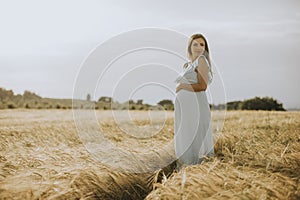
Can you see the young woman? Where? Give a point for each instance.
(192, 122)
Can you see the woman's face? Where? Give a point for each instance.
(198, 47)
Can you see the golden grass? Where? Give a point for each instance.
(41, 157)
(257, 157)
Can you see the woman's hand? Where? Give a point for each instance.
(179, 87)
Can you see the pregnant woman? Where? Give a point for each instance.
(192, 120)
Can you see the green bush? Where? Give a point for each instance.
(257, 103)
(11, 105)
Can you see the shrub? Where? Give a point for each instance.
(11, 105)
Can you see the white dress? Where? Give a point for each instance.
(192, 120)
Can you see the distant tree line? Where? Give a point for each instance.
(30, 100)
(256, 103)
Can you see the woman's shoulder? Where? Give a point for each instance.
(202, 58)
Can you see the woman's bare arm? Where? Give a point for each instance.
(202, 74)
(196, 87)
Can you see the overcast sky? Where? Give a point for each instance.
(255, 44)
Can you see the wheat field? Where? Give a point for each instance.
(42, 156)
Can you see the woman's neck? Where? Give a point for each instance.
(194, 58)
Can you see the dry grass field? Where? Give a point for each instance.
(42, 157)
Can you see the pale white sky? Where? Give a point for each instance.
(254, 44)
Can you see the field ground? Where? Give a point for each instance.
(42, 156)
